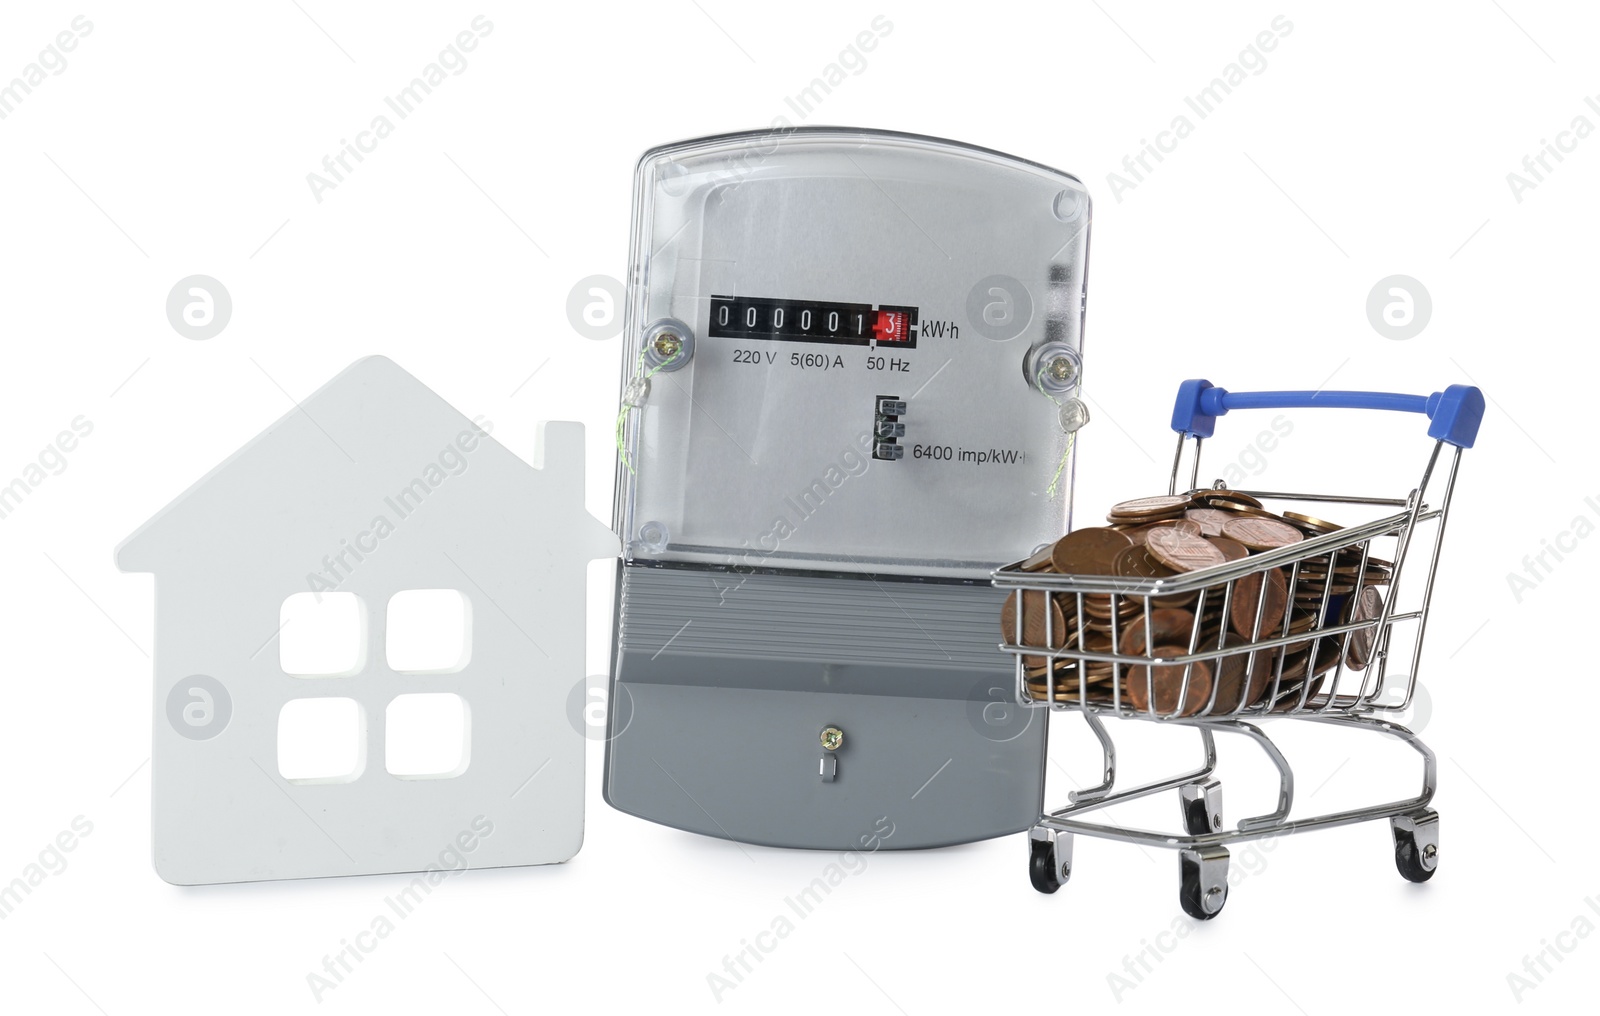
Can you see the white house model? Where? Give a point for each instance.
(371, 490)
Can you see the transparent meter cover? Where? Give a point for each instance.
(847, 352)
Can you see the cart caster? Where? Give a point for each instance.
(1416, 844)
(1049, 859)
(1204, 886)
(1202, 807)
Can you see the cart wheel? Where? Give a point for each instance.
(1202, 807)
(1204, 887)
(1416, 845)
(1049, 859)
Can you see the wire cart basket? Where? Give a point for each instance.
(1299, 631)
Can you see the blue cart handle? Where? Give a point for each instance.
(1453, 414)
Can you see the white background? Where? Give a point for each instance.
(1376, 141)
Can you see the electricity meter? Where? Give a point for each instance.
(848, 394)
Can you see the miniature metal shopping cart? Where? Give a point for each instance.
(1327, 659)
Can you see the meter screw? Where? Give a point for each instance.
(828, 766)
(668, 345)
(1074, 415)
(1054, 369)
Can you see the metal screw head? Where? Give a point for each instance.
(1061, 370)
(668, 344)
(1054, 368)
(1430, 851)
(832, 738)
(1074, 415)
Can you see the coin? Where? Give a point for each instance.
(1088, 551)
(1247, 598)
(1181, 551)
(1039, 560)
(1233, 690)
(1289, 698)
(1243, 511)
(1034, 623)
(1232, 550)
(1096, 642)
(1210, 520)
(1059, 665)
(1094, 692)
(1169, 625)
(1161, 504)
(1366, 607)
(1125, 522)
(1312, 592)
(1166, 684)
(1304, 620)
(1135, 563)
(1142, 533)
(1262, 534)
(1097, 611)
(1312, 523)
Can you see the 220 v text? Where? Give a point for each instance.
(809, 361)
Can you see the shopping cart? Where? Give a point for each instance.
(1327, 659)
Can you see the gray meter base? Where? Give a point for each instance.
(726, 683)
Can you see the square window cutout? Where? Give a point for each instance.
(321, 634)
(428, 631)
(426, 735)
(321, 740)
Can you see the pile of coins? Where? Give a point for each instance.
(1170, 535)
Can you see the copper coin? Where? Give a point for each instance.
(1232, 550)
(1366, 607)
(1262, 534)
(1247, 597)
(1312, 523)
(1297, 663)
(1170, 625)
(1099, 615)
(1136, 563)
(1131, 522)
(1181, 551)
(1325, 657)
(1034, 623)
(1039, 560)
(1168, 684)
(1234, 691)
(1096, 693)
(1138, 533)
(1182, 525)
(1067, 681)
(1210, 520)
(1088, 551)
(1058, 664)
(1302, 624)
(1237, 510)
(1319, 572)
(1096, 642)
(1289, 698)
(1161, 504)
